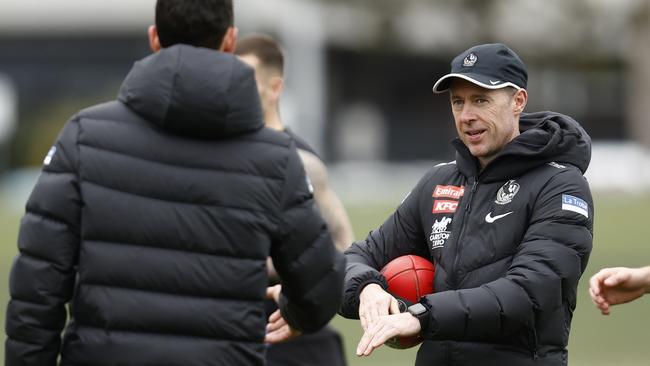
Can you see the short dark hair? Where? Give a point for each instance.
(200, 23)
(265, 48)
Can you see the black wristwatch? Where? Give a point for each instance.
(421, 312)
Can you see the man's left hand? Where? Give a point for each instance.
(277, 329)
(385, 328)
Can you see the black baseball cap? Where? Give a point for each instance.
(491, 66)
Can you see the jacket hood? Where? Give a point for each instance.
(545, 137)
(194, 92)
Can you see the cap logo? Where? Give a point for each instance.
(470, 60)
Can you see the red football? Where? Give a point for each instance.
(409, 278)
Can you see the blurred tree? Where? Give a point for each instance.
(638, 74)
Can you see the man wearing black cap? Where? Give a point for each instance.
(517, 232)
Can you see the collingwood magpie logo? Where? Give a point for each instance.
(507, 192)
(470, 60)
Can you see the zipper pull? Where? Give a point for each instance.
(469, 203)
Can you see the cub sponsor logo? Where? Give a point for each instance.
(439, 233)
(444, 206)
(575, 204)
(454, 192)
(507, 192)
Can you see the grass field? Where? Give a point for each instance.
(622, 237)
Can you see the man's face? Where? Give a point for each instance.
(486, 120)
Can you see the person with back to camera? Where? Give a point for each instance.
(509, 260)
(154, 215)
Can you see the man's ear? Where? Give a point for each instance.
(229, 40)
(154, 41)
(276, 85)
(520, 99)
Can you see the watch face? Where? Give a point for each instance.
(417, 309)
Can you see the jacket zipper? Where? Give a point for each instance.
(533, 335)
(468, 208)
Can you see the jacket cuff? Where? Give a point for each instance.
(350, 308)
(429, 326)
(432, 327)
(379, 281)
(283, 305)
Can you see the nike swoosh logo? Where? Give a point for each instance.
(490, 219)
(495, 82)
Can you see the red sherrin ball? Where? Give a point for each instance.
(409, 277)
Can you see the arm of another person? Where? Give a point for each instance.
(329, 206)
(309, 266)
(42, 276)
(328, 203)
(620, 285)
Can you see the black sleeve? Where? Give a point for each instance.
(400, 234)
(310, 268)
(42, 276)
(542, 278)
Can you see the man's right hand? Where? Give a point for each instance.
(612, 286)
(375, 302)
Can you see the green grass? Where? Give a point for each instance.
(8, 234)
(622, 237)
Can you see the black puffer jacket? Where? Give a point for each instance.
(153, 218)
(509, 243)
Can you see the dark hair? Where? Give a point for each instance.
(201, 23)
(265, 48)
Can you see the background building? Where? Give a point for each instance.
(359, 78)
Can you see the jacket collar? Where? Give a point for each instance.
(545, 137)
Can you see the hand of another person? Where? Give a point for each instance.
(375, 302)
(274, 278)
(386, 327)
(273, 293)
(277, 329)
(612, 286)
